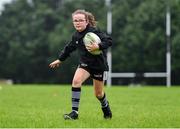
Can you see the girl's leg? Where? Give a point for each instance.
(101, 96)
(80, 76)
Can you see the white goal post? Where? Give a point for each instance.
(166, 74)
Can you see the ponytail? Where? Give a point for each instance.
(91, 19)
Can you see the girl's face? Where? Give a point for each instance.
(79, 22)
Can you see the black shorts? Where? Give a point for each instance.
(97, 75)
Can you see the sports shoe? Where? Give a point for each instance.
(71, 116)
(107, 112)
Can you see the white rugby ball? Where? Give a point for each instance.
(90, 38)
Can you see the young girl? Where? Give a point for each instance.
(94, 66)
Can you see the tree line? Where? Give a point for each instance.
(32, 32)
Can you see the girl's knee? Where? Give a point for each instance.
(76, 82)
(99, 94)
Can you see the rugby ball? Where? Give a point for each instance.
(90, 38)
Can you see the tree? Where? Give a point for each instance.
(34, 31)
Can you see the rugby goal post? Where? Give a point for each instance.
(166, 74)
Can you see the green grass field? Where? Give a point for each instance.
(42, 106)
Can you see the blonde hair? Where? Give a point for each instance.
(88, 16)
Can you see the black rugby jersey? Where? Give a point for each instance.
(95, 62)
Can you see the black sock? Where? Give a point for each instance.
(103, 100)
(76, 92)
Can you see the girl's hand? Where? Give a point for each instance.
(55, 63)
(92, 47)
